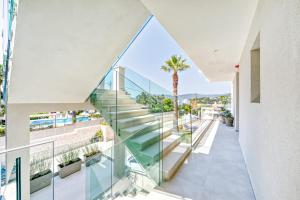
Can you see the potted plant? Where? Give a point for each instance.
(69, 163)
(228, 118)
(92, 155)
(97, 137)
(107, 132)
(40, 174)
(222, 115)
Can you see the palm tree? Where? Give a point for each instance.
(175, 64)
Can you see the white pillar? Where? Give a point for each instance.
(118, 78)
(17, 129)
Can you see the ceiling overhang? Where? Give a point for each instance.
(212, 32)
(63, 48)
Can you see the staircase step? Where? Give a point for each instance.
(152, 153)
(174, 159)
(107, 91)
(128, 113)
(134, 121)
(113, 102)
(111, 94)
(127, 107)
(140, 129)
(143, 141)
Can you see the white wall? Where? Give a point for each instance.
(270, 130)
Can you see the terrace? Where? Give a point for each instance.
(56, 52)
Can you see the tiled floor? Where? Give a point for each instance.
(214, 171)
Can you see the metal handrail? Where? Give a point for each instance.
(26, 146)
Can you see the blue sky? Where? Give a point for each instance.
(152, 48)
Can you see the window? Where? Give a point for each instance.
(255, 71)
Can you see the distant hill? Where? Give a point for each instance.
(190, 96)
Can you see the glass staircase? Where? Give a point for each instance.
(141, 122)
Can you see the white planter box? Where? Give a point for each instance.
(69, 169)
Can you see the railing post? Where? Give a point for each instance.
(18, 178)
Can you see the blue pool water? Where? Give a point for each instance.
(58, 121)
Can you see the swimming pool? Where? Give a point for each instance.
(58, 121)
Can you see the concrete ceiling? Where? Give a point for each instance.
(212, 32)
(63, 47)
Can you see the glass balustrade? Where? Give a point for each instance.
(27, 172)
(147, 136)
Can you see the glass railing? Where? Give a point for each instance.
(27, 172)
(119, 172)
(146, 84)
(136, 118)
(141, 114)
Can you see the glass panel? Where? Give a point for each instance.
(145, 149)
(99, 175)
(41, 172)
(141, 121)
(15, 163)
(8, 179)
(146, 84)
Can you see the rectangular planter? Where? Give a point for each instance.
(69, 169)
(40, 182)
(92, 159)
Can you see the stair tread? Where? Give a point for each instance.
(134, 129)
(135, 118)
(171, 159)
(150, 135)
(146, 137)
(155, 149)
(128, 111)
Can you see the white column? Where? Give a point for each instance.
(17, 129)
(118, 78)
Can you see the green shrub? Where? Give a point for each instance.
(97, 137)
(38, 117)
(2, 131)
(167, 105)
(227, 114)
(155, 103)
(39, 167)
(68, 158)
(2, 111)
(99, 134)
(91, 150)
(95, 115)
(104, 123)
